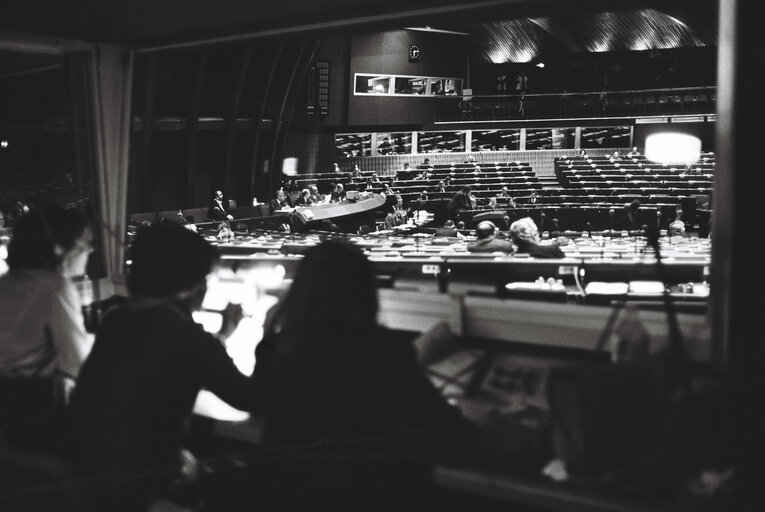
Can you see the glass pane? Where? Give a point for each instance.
(43, 143)
(353, 144)
(394, 143)
(409, 85)
(539, 139)
(563, 138)
(496, 140)
(440, 142)
(372, 84)
(453, 86)
(606, 137)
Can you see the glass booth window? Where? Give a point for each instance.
(441, 142)
(394, 143)
(563, 138)
(411, 85)
(606, 137)
(403, 85)
(496, 140)
(445, 87)
(353, 144)
(539, 139)
(372, 84)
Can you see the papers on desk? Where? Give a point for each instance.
(646, 287)
(604, 288)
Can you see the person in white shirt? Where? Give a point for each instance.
(43, 340)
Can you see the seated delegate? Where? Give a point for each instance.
(525, 235)
(487, 241)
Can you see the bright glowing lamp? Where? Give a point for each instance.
(290, 166)
(672, 148)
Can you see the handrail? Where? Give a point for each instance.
(672, 90)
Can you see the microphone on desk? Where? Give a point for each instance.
(541, 220)
(555, 223)
(658, 219)
(589, 227)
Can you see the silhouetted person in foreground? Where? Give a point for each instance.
(630, 220)
(135, 393)
(344, 392)
(43, 341)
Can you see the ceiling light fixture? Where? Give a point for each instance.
(672, 148)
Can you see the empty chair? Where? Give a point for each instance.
(638, 105)
(662, 104)
(676, 103)
(650, 104)
(625, 106)
(689, 103)
(702, 101)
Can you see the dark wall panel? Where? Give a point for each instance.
(442, 55)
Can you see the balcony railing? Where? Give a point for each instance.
(616, 104)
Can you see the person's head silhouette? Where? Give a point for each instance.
(333, 296)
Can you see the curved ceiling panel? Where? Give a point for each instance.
(522, 40)
(644, 29)
(501, 41)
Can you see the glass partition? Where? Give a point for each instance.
(563, 138)
(539, 138)
(440, 142)
(44, 143)
(394, 143)
(404, 85)
(353, 144)
(372, 84)
(496, 140)
(606, 137)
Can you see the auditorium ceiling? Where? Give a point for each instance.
(576, 25)
(525, 39)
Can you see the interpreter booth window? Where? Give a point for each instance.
(394, 143)
(496, 140)
(353, 144)
(445, 87)
(441, 142)
(411, 85)
(606, 137)
(539, 139)
(404, 85)
(372, 84)
(563, 138)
